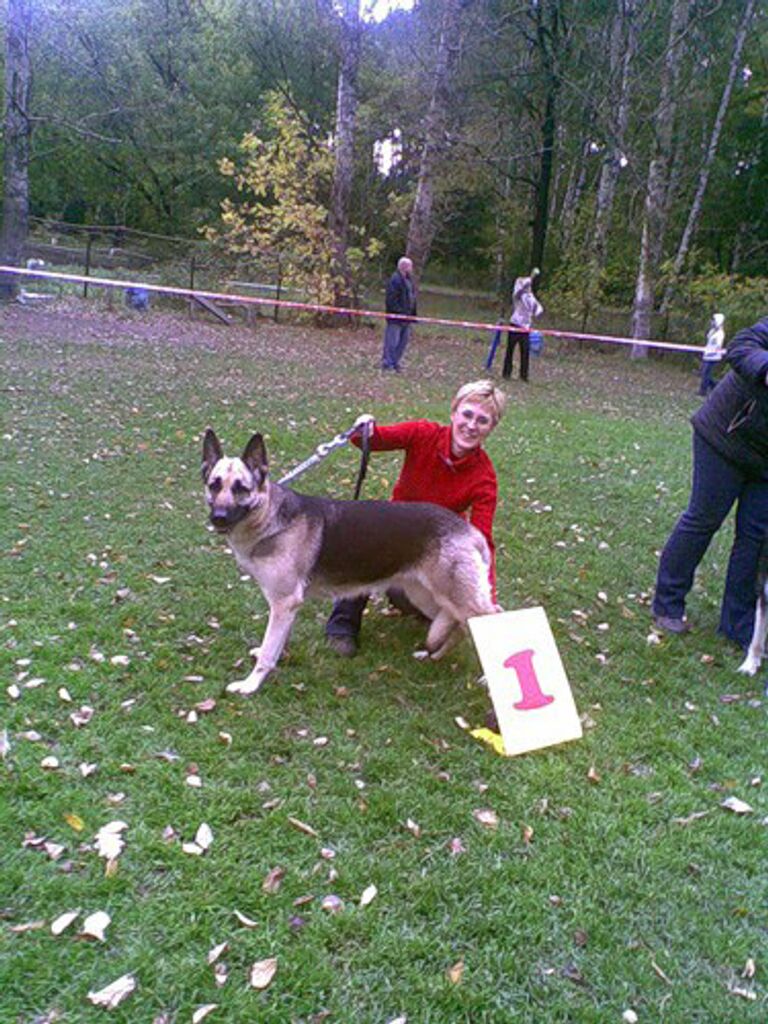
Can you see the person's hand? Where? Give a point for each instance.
(364, 420)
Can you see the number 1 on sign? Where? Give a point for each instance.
(533, 696)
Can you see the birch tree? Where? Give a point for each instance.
(344, 146)
(654, 211)
(694, 213)
(16, 133)
(421, 229)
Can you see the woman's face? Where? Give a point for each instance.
(471, 423)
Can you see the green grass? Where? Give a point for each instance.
(612, 905)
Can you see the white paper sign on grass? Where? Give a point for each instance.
(526, 679)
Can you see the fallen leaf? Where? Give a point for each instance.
(303, 827)
(332, 904)
(115, 993)
(247, 921)
(456, 973)
(732, 803)
(109, 841)
(202, 1012)
(456, 846)
(50, 764)
(593, 775)
(487, 817)
(413, 827)
(262, 973)
(95, 926)
(273, 880)
(215, 953)
(75, 822)
(369, 895)
(30, 926)
(63, 921)
(220, 974)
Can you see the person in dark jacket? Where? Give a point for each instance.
(401, 299)
(730, 466)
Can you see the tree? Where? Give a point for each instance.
(714, 139)
(344, 147)
(421, 228)
(17, 130)
(284, 178)
(655, 208)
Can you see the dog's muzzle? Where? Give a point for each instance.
(223, 519)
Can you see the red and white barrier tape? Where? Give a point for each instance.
(252, 300)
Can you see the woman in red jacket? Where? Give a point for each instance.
(445, 465)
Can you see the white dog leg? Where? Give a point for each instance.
(756, 649)
(281, 617)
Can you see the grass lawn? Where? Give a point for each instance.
(614, 882)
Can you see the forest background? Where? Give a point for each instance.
(620, 145)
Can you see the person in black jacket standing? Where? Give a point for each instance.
(730, 465)
(401, 299)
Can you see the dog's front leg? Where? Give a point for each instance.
(282, 612)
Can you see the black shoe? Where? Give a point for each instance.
(344, 646)
(671, 625)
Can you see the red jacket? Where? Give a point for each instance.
(431, 473)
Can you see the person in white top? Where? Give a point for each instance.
(714, 350)
(525, 308)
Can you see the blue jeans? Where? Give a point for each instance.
(717, 485)
(396, 336)
(708, 382)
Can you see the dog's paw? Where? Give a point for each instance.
(421, 655)
(750, 665)
(243, 686)
(255, 652)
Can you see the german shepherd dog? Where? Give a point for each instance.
(296, 546)
(756, 649)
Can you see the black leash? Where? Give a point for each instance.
(365, 452)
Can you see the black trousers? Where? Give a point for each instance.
(515, 335)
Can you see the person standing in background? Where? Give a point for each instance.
(714, 350)
(400, 299)
(525, 308)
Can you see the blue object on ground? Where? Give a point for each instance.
(137, 298)
(536, 342)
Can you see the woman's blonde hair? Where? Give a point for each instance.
(484, 391)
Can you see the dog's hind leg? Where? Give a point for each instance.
(282, 613)
(756, 648)
(443, 634)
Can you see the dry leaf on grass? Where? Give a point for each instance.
(202, 841)
(215, 953)
(202, 1012)
(262, 973)
(273, 880)
(487, 817)
(732, 803)
(246, 921)
(112, 995)
(109, 841)
(456, 973)
(63, 921)
(369, 895)
(95, 925)
(303, 827)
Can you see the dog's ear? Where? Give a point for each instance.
(212, 452)
(255, 455)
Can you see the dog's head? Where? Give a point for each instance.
(234, 487)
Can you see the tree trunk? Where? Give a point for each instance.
(698, 200)
(550, 42)
(344, 146)
(654, 215)
(16, 128)
(421, 229)
(622, 52)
